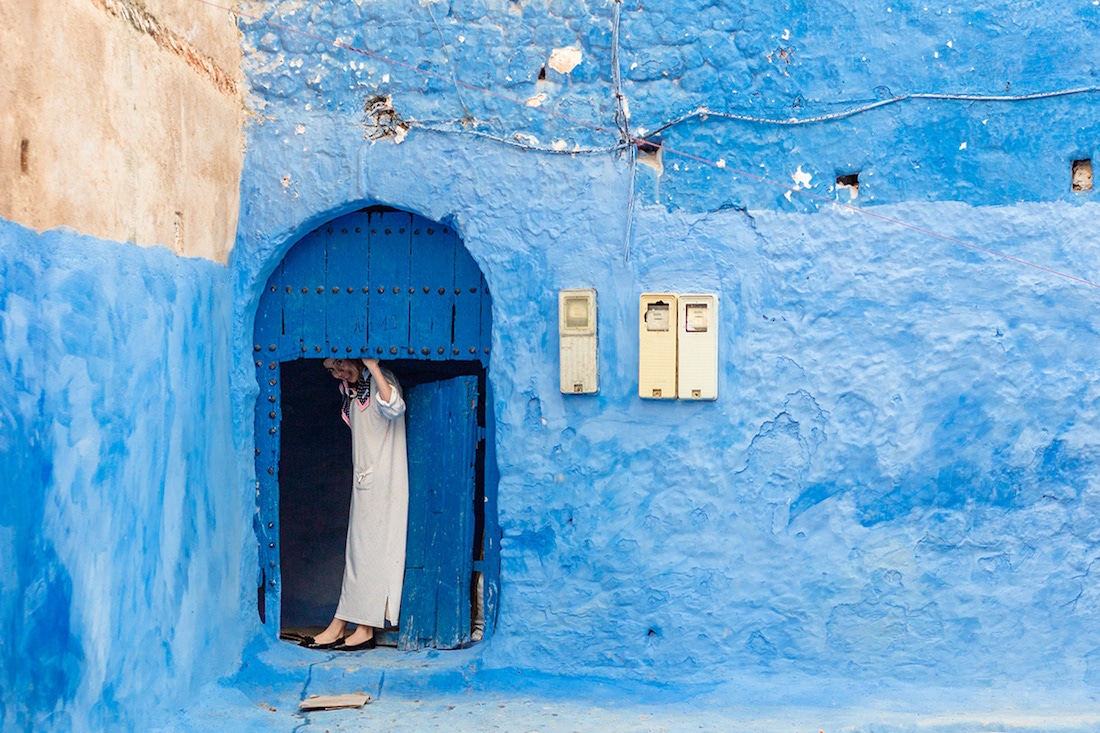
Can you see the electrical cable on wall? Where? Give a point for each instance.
(704, 111)
(631, 141)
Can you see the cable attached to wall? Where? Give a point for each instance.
(450, 62)
(622, 122)
(705, 111)
(517, 140)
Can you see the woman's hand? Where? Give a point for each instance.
(385, 392)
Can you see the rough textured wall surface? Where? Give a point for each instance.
(896, 486)
(120, 527)
(122, 120)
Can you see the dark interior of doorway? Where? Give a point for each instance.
(315, 482)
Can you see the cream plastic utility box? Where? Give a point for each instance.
(697, 326)
(577, 341)
(657, 346)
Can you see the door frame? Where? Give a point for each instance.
(273, 346)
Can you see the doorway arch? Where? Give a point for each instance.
(392, 285)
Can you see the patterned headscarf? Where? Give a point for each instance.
(358, 391)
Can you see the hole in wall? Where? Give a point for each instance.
(848, 182)
(381, 120)
(542, 74)
(177, 232)
(649, 152)
(1081, 175)
(24, 155)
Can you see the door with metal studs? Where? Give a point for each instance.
(394, 286)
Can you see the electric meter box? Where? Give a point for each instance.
(697, 367)
(657, 346)
(577, 341)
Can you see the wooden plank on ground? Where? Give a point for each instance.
(334, 702)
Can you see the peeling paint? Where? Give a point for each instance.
(145, 22)
(564, 60)
(801, 178)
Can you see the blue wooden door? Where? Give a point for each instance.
(392, 285)
(443, 434)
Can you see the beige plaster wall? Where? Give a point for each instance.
(122, 119)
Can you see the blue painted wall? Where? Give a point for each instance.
(121, 527)
(895, 489)
(896, 485)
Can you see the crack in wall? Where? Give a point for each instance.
(144, 22)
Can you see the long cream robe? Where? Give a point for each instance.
(374, 563)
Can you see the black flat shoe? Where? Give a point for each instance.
(368, 644)
(309, 643)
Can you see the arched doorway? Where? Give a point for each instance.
(395, 286)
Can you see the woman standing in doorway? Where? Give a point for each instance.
(374, 561)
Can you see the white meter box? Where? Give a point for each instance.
(657, 346)
(577, 341)
(697, 367)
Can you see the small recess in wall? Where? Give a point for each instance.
(649, 153)
(848, 182)
(177, 226)
(1082, 175)
(24, 155)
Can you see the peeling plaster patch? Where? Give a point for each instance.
(381, 120)
(721, 163)
(525, 138)
(300, 130)
(559, 145)
(962, 147)
(786, 34)
(564, 60)
(286, 181)
(536, 100)
(801, 178)
(385, 78)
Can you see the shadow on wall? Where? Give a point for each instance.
(39, 657)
